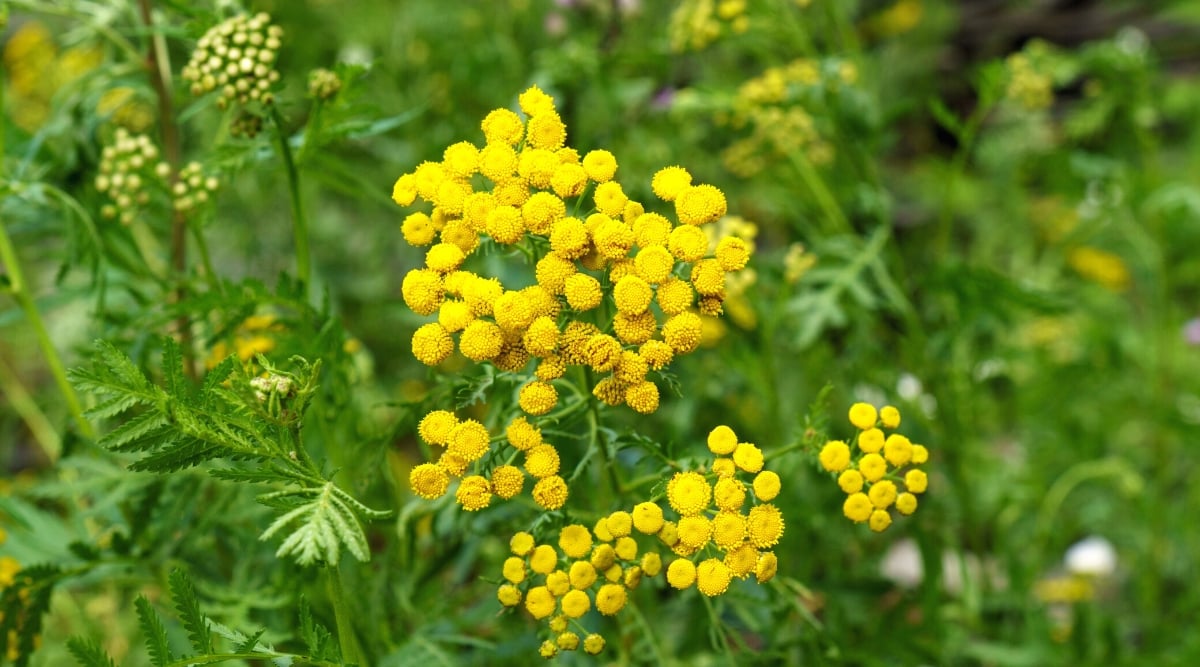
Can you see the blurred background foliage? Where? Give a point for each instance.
(983, 212)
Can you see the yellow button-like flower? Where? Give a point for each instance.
(507, 481)
(548, 649)
(513, 192)
(428, 177)
(523, 435)
(537, 166)
(857, 507)
(850, 481)
(728, 530)
(610, 198)
(422, 291)
(534, 101)
(610, 391)
(647, 518)
(651, 229)
(451, 195)
(582, 574)
(764, 525)
(642, 397)
(694, 531)
(724, 467)
(603, 352)
(568, 180)
(656, 353)
(890, 416)
(550, 492)
(619, 523)
(766, 485)
(404, 192)
(722, 440)
(428, 481)
(600, 165)
(699, 204)
(454, 316)
(469, 439)
(906, 503)
(521, 543)
(498, 161)
(546, 130)
(552, 272)
(635, 329)
(541, 211)
(603, 556)
(558, 583)
(632, 295)
(766, 568)
(453, 463)
(708, 277)
(871, 440)
(431, 344)
(632, 368)
(863, 415)
(481, 340)
(915, 481)
(544, 559)
(688, 493)
(593, 644)
(879, 521)
(575, 540)
(882, 494)
(575, 604)
(435, 427)
(626, 548)
(668, 533)
(897, 449)
(687, 244)
(872, 467)
(834, 456)
(550, 368)
(514, 569)
(729, 494)
(741, 560)
(504, 224)
(502, 126)
(712, 577)
(542, 461)
(582, 292)
(474, 493)
(732, 253)
(668, 182)
(651, 563)
(610, 599)
(681, 573)
(508, 595)
(461, 159)
(539, 602)
(920, 454)
(748, 457)
(567, 641)
(653, 263)
(681, 332)
(418, 229)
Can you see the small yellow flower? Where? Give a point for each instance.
(729, 494)
(681, 573)
(766, 568)
(698, 204)
(851, 481)
(619, 523)
(541, 211)
(544, 559)
(468, 439)
(538, 398)
(906, 503)
(897, 449)
(610, 599)
(882, 494)
(404, 192)
(502, 126)
(575, 604)
(514, 569)
(418, 229)
(915, 481)
(871, 440)
(523, 435)
(920, 454)
(435, 427)
(708, 277)
(582, 292)
(890, 416)
(741, 560)
(453, 463)
(674, 296)
(668, 182)
(550, 368)
(508, 595)
(428, 481)
(610, 198)
(863, 416)
(550, 492)
(575, 540)
(569, 180)
(880, 520)
(541, 338)
(687, 244)
(694, 531)
(602, 352)
(681, 332)
(600, 165)
(647, 518)
(872, 467)
(688, 493)
(654, 264)
(548, 649)
(603, 556)
(558, 583)
(498, 161)
(521, 543)
(422, 291)
(722, 440)
(504, 224)
(552, 272)
(712, 577)
(835, 456)
(625, 548)
(431, 344)
(593, 644)
(567, 641)
(642, 397)
(651, 563)
(651, 229)
(724, 467)
(656, 353)
(632, 368)
(474, 493)
(632, 295)
(534, 101)
(732, 253)
(454, 316)
(764, 525)
(857, 507)
(539, 602)
(610, 391)
(481, 341)
(728, 530)
(766, 485)
(582, 575)
(542, 461)
(668, 534)
(748, 457)
(546, 130)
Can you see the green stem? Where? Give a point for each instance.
(205, 259)
(16, 279)
(835, 217)
(958, 168)
(299, 221)
(593, 418)
(345, 630)
(660, 656)
(24, 405)
(718, 631)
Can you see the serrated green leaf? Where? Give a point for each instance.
(214, 378)
(189, 612)
(134, 430)
(185, 453)
(110, 407)
(89, 653)
(172, 366)
(154, 634)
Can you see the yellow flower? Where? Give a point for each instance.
(542, 461)
(513, 192)
(870, 440)
(732, 253)
(544, 559)
(575, 540)
(431, 344)
(469, 439)
(647, 518)
(694, 531)
(454, 316)
(766, 567)
(550, 492)
(708, 277)
(459, 233)
(523, 435)
(668, 534)
(550, 368)
(541, 338)
(404, 192)
(882, 494)
(625, 548)
(668, 182)
(428, 481)
(632, 368)
(498, 161)
(748, 457)
(729, 494)
(857, 507)
(656, 353)
(474, 493)
(514, 569)
(602, 352)
(534, 101)
(653, 263)
(575, 604)
(682, 332)
(687, 243)
(681, 573)
(546, 130)
(863, 416)
(712, 577)
(603, 556)
(897, 449)
(568, 641)
(851, 481)
(461, 159)
(635, 329)
(632, 295)
(765, 525)
(722, 440)
(651, 563)
(642, 397)
(698, 204)
(880, 520)
(453, 463)
(508, 595)
(539, 602)
(741, 560)
(619, 523)
(651, 229)
(435, 427)
(548, 649)
(916, 481)
(688, 493)
(593, 644)
(766, 486)
(610, 599)
(558, 623)
(537, 166)
(558, 583)
(583, 292)
(890, 416)
(552, 272)
(504, 224)
(610, 200)
(835, 456)
(428, 177)
(582, 575)
(418, 229)
(502, 126)
(906, 503)
(507, 481)
(422, 291)
(728, 530)
(724, 467)
(481, 341)
(521, 543)
(541, 211)
(569, 180)
(872, 467)
(600, 165)
(920, 454)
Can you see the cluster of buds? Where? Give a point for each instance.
(236, 56)
(323, 84)
(193, 188)
(127, 167)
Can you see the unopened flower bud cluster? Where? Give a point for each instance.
(236, 57)
(193, 189)
(323, 84)
(129, 167)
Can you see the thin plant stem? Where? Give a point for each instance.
(593, 417)
(660, 656)
(345, 630)
(24, 405)
(834, 216)
(16, 280)
(299, 221)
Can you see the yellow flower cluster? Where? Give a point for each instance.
(256, 335)
(36, 71)
(1028, 87)
(236, 56)
(871, 475)
(697, 23)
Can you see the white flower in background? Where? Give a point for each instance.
(1092, 556)
(902, 565)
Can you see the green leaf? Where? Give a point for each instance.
(317, 638)
(172, 362)
(189, 452)
(155, 635)
(945, 117)
(189, 612)
(134, 431)
(89, 653)
(322, 526)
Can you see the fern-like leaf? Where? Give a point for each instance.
(189, 612)
(89, 653)
(134, 430)
(187, 453)
(320, 527)
(172, 362)
(155, 635)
